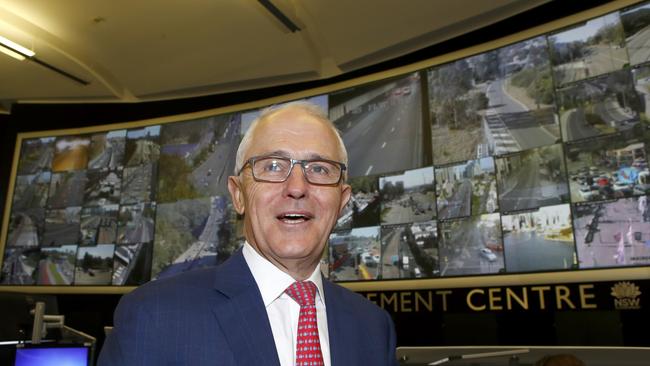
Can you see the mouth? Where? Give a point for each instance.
(294, 217)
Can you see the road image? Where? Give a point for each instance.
(197, 157)
(138, 184)
(613, 233)
(641, 76)
(136, 223)
(102, 187)
(26, 228)
(407, 197)
(590, 49)
(36, 155)
(539, 240)
(635, 22)
(132, 264)
(532, 178)
(94, 265)
(381, 128)
(142, 146)
(31, 190)
(599, 106)
(355, 254)
(520, 112)
(107, 150)
(466, 189)
(70, 153)
(210, 176)
(470, 246)
(204, 251)
(99, 224)
(513, 126)
(62, 227)
(19, 266)
(57, 265)
(67, 189)
(409, 251)
(193, 234)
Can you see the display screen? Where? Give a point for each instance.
(531, 157)
(52, 356)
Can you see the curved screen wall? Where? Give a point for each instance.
(526, 156)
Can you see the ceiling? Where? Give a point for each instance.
(145, 50)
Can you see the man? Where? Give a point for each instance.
(289, 185)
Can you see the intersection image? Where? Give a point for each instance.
(532, 178)
(613, 233)
(355, 254)
(471, 245)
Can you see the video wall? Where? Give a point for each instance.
(530, 157)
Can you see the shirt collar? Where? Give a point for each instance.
(271, 280)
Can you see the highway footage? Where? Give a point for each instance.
(528, 157)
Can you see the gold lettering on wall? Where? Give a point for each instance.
(385, 300)
(471, 304)
(541, 289)
(491, 299)
(584, 296)
(444, 294)
(405, 302)
(428, 302)
(495, 299)
(562, 295)
(523, 301)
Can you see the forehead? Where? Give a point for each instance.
(295, 132)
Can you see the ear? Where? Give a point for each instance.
(236, 194)
(346, 193)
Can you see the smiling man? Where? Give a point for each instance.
(268, 304)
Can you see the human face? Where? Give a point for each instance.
(289, 223)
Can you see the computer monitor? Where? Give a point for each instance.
(53, 355)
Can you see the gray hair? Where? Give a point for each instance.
(310, 109)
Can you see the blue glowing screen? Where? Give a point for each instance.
(54, 356)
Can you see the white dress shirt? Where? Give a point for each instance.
(282, 310)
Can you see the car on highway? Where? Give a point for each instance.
(587, 193)
(369, 260)
(488, 254)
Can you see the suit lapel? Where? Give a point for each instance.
(242, 316)
(342, 334)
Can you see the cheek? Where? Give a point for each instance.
(259, 199)
(329, 201)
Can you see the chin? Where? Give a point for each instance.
(296, 247)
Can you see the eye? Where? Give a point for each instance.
(319, 168)
(274, 165)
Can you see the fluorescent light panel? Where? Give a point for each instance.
(11, 53)
(16, 47)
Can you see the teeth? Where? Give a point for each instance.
(294, 217)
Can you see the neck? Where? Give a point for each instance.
(299, 270)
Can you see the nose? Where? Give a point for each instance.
(296, 185)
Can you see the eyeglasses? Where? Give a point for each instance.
(276, 169)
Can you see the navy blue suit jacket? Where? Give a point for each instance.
(216, 316)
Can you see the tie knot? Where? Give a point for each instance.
(303, 292)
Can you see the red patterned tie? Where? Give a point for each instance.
(308, 351)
